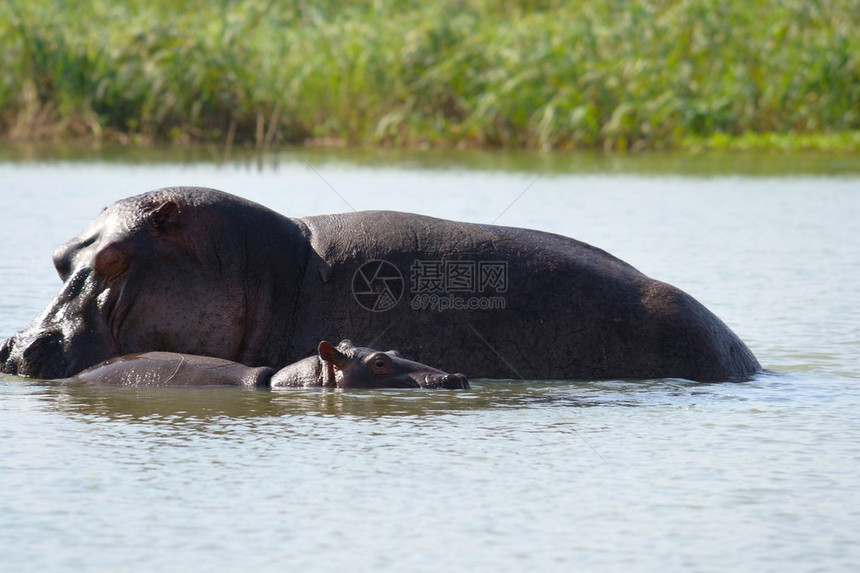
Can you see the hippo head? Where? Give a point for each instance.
(151, 273)
(359, 367)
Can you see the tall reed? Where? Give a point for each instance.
(611, 74)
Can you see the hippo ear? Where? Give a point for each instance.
(162, 218)
(345, 344)
(331, 354)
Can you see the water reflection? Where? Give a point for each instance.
(749, 163)
(203, 405)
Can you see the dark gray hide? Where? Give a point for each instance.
(202, 272)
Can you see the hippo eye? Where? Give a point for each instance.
(110, 262)
(379, 362)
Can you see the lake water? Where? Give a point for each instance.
(661, 475)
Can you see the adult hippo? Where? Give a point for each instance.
(341, 366)
(199, 271)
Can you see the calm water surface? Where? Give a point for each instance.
(663, 475)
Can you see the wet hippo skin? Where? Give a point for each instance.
(199, 271)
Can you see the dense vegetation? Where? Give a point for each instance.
(609, 74)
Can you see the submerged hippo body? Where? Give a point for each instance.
(199, 271)
(344, 366)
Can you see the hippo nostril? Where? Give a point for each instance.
(455, 382)
(6, 365)
(32, 347)
(5, 351)
(45, 340)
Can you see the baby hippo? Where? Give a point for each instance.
(343, 366)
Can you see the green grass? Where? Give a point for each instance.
(604, 74)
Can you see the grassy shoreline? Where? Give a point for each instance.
(606, 75)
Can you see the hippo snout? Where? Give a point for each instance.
(455, 382)
(40, 356)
